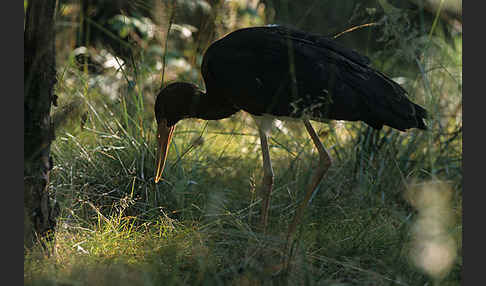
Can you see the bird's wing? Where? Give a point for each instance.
(319, 41)
(274, 70)
(360, 92)
(266, 69)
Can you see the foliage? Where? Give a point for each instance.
(197, 226)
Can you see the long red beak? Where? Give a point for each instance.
(164, 136)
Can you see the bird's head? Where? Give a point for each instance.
(174, 102)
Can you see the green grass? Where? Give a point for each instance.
(199, 226)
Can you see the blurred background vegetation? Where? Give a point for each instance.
(389, 211)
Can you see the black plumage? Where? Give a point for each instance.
(283, 72)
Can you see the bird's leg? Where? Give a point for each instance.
(267, 183)
(325, 162)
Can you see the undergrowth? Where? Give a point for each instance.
(199, 225)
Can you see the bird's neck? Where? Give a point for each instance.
(210, 108)
(198, 105)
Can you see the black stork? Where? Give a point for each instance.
(280, 72)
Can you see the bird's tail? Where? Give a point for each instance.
(389, 105)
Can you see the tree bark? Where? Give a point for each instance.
(40, 211)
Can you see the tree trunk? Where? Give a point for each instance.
(40, 211)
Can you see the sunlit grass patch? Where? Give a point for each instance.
(118, 250)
